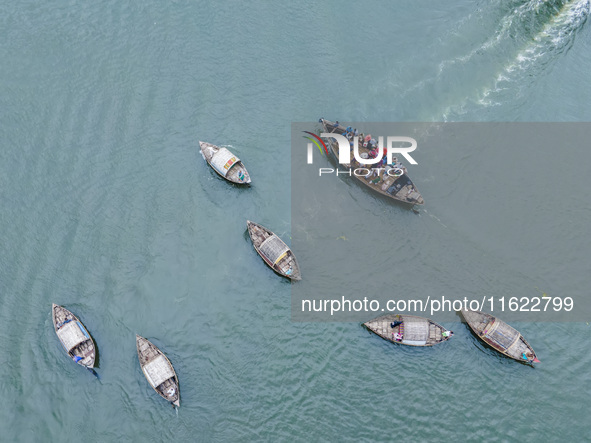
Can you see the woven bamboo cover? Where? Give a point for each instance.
(158, 371)
(273, 248)
(416, 329)
(223, 161)
(502, 334)
(71, 335)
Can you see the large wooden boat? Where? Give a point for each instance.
(408, 330)
(274, 251)
(73, 336)
(226, 164)
(500, 336)
(399, 188)
(158, 370)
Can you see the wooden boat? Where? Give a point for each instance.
(400, 188)
(158, 370)
(225, 163)
(274, 251)
(408, 330)
(73, 336)
(500, 336)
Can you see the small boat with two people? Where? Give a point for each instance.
(390, 180)
(275, 253)
(74, 337)
(500, 336)
(226, 164)
(158, 370)
(408, 330)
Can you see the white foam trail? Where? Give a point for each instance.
(507, 23)
(500, 36)
(435, 218)
(556, 36)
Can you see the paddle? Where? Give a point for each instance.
(94, 373)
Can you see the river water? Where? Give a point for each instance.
(109, 210)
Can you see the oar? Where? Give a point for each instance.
(94, 373)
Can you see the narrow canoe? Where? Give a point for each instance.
(226, 164)
(274, 251)
(401, 188)
(73, 336)
(500, 336)
(408, 330)
(158, 370)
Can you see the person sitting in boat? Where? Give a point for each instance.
(395, 323)
(397, 336)
(368, 175)
(372, 172)
(355, 132)
(171, 391)
(395, 171)
(374, 176)
(447, 334)
(376, 180)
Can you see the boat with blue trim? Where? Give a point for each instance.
(73, 336)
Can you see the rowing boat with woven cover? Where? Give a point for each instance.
(408, 330)
(500, 336)
(73, 336)
(274, 251)
(158, 370)
(226, 164)
(396, 185)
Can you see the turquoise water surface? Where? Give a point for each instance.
(109, 210)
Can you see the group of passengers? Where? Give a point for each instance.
(380, 171)
(397, 336)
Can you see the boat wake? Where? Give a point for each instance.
(522, 43)
(545, 31)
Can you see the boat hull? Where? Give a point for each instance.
(158, 371)
(274, 252)
(400, 189)
(73, 336)
(498, 335)
(408, 330)
(228, 166)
